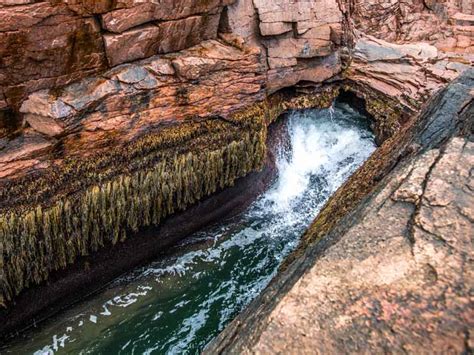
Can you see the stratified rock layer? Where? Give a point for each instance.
(123, 104)
(447, 24)
(156, 105)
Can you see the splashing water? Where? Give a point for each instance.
(179, 304)
(331, 111)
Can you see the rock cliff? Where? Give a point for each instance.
(116, 114)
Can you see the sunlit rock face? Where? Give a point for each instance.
(80, 78)
(301, 39)
(447, 24)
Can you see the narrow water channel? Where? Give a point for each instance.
(177, 305)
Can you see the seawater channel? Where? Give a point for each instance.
(178, 304)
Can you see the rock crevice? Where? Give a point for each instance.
(97, 96)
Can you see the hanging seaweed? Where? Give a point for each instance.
(47, 222)
(41, 240)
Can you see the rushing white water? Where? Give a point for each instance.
(178, 304)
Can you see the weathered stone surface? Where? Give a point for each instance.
(449, 113)
(130, 100)
(43, 104)
(60, 99)
(124, 19)
(313, 71)
(400, 279)
(23, 153)
(399, 284)
(297, 30)
(440, 23)
(49, 44)
(410, 73)
(241, 19)
(45, 46)
(46, 125)
(165, 37)
(296, 36)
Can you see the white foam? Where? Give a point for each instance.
(319, 147)
(323, 147)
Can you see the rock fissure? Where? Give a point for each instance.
(94, 94)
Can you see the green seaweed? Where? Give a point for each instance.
(50, 220)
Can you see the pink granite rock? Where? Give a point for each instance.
(436, 22)
(165, 37)
(124, 19)
(45, 46)
(208, 79)
(409, 73)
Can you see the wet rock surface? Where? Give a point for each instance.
(397, 273)
(81, 79)
(400, 279)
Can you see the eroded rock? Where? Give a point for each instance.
(65, 102)
(445, 24)
(46, 46)
(124, 103)
(165, 37)
(139, 13)
(410, 73)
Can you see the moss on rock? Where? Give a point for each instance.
(48, 221)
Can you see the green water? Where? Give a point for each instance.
(177, 305)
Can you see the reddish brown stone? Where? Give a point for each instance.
(45, 46)
(435, 22)
(124, 19)
(164, 37)
(410, 73)
(155, 90)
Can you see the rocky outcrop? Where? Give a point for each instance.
(395, 273)
(81, 135)
(408, 73)
(402, 285)
(125, 103)
(47, 44)
(446, 24)
(157, 105)
(300, 39)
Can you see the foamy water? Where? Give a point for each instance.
(179, 304)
